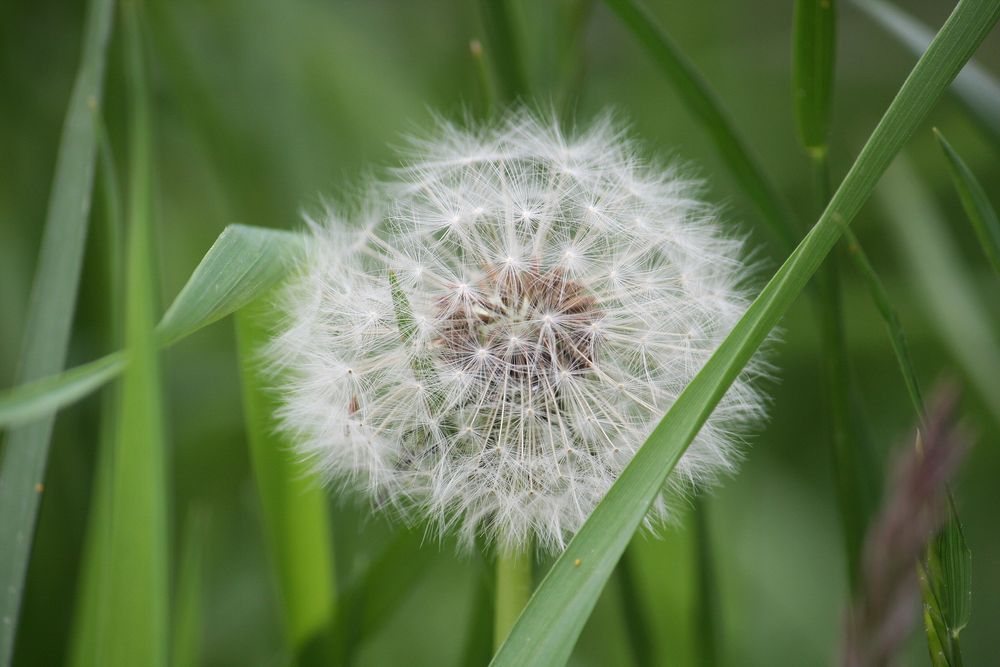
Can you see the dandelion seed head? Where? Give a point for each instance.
(560, 292)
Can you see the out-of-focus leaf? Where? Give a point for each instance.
(187, 640)
(50, 316)
(813, 42)
(505, 53)
(548, 628)
(138, 594)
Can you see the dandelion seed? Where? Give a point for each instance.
(567, 292)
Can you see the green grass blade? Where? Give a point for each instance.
(706, 601)
(703, 105)
(938, 271)
(633, 611)
(813, 42)
(90, 612)
(504, 51)
(975, 88)
(551, 623)
(975, 202)
(186, 640)
(241, 265)
(138, 592)
(294, 507)
(50, 315)
(41, 398)
(897, 338)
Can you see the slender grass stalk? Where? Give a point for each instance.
(186, 640)
(478, 647)
(513, 589)
(547, 630)
(706, 601)
(50, 315)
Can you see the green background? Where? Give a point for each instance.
(262, 109)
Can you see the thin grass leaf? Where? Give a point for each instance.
(975, 202)
(897, 338)
(953, 303)
(548, 628)
(138, 593)
(294, 507)
(50, 315)
(242, 264)
(813, 42)
(975, 88)
(704, 107)
(633, 611)
(706, 600)
(504, 50)
(41, 398)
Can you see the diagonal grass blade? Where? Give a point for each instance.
(548, 628)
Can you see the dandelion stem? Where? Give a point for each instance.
(512, 591)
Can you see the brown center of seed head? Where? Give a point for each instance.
(527, 326)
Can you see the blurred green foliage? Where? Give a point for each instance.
(261, 109)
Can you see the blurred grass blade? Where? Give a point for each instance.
(90, 612)
(633, 611)
(296, 519)
(706, 600)
(138, 593)
(505, 52)
(50, 315)
(369, 601)
(975, 88)
(44, 397)
(705, 108)
(938, 271)
(241, 265)
(813, 44)
(186, 640)
(548, 628)
(975, 202)
(897, 339)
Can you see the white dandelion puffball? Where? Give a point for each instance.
(516, 309)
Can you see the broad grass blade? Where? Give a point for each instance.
(138, 594)
(294, 507)
(975, 202)
(551, 623)
(50, 315)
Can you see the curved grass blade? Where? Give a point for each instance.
(38, 399)
(934, 263)
(548, 628)
(241, 265)
(813, 44)
(138, 594)
(704, 106)
(50, 315)
(974, 87)
(295, 516)
(975, 202)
